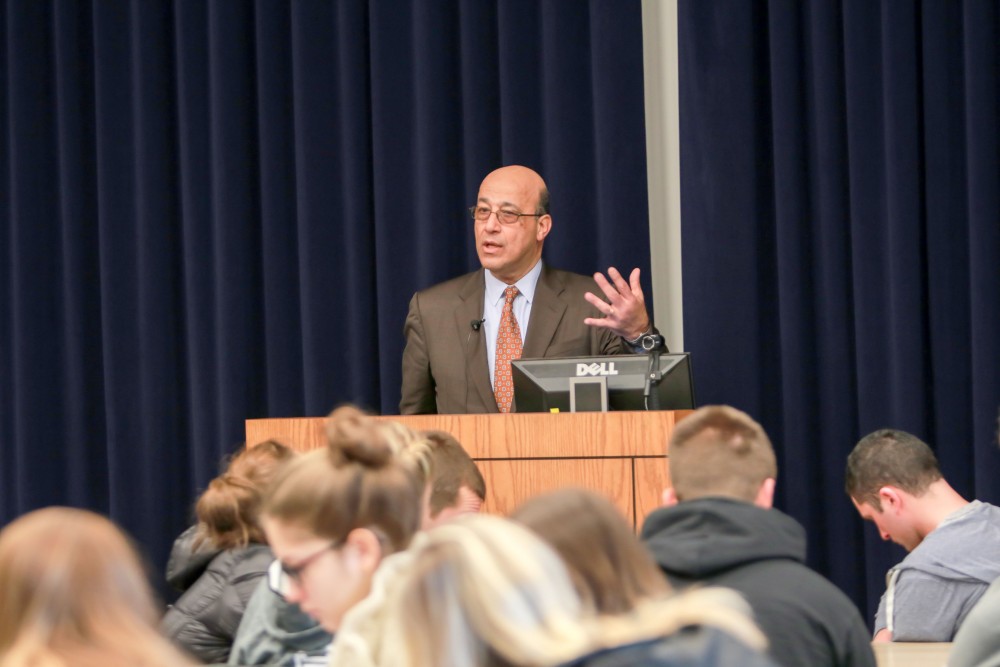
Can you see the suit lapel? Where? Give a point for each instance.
(476, 364)
(547, 311)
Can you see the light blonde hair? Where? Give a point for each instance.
(73, 593)
(720, 451)
(484, 590)
(719, 608)
(607, 562)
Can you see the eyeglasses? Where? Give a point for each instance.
(482, 214)
(280, 573)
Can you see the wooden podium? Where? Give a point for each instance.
(619, 454)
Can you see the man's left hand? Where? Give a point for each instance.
(625, 310)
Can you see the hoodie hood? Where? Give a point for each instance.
(946, 554)
(186, 565)
(700, 538)
(274, 631)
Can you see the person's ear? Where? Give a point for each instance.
(544, 227)
(670, 497)
(890, 498)
(765, 494)
(362, 551)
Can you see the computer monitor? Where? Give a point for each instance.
(615, 382)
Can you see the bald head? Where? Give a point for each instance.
(527, 183)
(510, 250)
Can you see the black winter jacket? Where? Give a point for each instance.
(216, 587)
(761, 554)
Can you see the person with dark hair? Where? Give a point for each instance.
(462, 334)
(894, 481)
(456, 485)
(608, 565)
(720, 528)
(218, 563)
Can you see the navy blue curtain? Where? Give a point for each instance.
(214, 211)
(841, 227)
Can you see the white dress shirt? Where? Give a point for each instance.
(493, 308)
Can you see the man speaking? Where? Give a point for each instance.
(462, 334)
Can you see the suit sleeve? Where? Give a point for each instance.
(418, 389)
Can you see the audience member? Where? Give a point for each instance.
(977, 642)
(456, 486)
(608, 565)
(894, 480)
(484, 591)
(73, 592)
(336, 516)
(719, 527)
(219, 562)
(277, 632)
(274, 631)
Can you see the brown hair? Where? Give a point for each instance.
(451, 469)
(608, 565)
(889, 458)
(720, 451)
(73, 592)
(229, 509)
(371, 475)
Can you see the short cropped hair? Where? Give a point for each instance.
(543, 202)
(888, 457)
(720, 451)
(451, 468)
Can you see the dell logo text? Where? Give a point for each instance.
(603, 368)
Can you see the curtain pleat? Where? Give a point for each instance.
(841, 245)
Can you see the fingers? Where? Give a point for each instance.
(620, 290)
(599, 322)
(606, 287)
(620, 283)
(635, 284)
(599, 303)
(625, 310)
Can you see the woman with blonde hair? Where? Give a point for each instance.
(219, 562)
(74, 594)
(483, 591)
(339, 520)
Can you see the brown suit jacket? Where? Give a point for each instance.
(445, 369)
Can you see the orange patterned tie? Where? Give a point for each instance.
(508, 348)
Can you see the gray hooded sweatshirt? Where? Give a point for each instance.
(931, 591)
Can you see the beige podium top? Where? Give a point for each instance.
(511, 436)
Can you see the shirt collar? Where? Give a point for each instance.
(526, 285)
